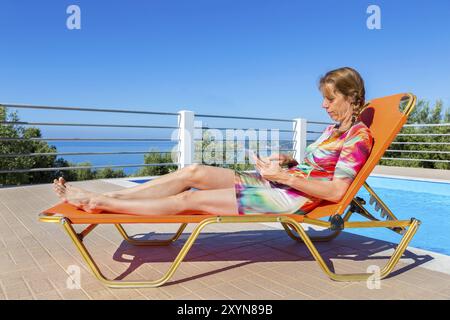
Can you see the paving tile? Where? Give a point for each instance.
(445, 291)
(12, 278)
(303, 284)
(154, 294)
(255, 291)
(331, 296)
(40, 286)
(19, 290)
(128, 294)
(73, 294)
(427, 282)
(49, 296)
(232, 292)
(271, 285)
(197, 284)
(6, 263)
(102, 294)
(354, 291)
(211, 294)
(189, 296)
(174, 290)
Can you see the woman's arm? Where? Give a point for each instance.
(353, 155)
(328, 190)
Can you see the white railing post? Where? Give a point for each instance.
(299, 139)
(186, 138)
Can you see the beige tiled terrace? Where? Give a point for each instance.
(251, 261)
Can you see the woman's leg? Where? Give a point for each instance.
(176, 179)
(218, 201)
(197, 176)
(161, 187)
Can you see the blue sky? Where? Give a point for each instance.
(235, 57)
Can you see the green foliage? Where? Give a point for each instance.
(83, 174)
(423, 113)
(108, 173)
(87, 173)
(23, 147)
(30, 146)
(154, 156)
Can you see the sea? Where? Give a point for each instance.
(112, 146)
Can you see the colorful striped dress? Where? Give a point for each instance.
(329, 157)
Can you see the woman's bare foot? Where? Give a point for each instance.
(61, 181)
(80, 198)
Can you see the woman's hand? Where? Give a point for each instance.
(269, 170)
(283, 159)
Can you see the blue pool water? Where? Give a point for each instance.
(140, 180)
(427, 201)
(424, 200)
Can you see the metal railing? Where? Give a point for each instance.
(298, 131)
(185, 139)
(78, 139)
(185, 142)
(420, 135)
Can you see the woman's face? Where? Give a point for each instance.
(336, 104)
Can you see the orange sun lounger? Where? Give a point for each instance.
(384, 116)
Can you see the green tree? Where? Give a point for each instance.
(423, 113)
(88, 173)
(154, 156)
(16, 154)
(107, 173)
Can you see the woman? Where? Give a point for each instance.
(330, 165)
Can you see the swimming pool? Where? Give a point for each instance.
(425, 200)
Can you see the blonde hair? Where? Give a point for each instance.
(350, 84)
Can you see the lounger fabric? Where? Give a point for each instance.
(78, 216)
(329, 157)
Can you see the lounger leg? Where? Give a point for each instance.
(412, 225)
(134, 284)
(390, 215)
(289, 228)
(86, 231)
(329, 237)
(136, 242)
(408, 235)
